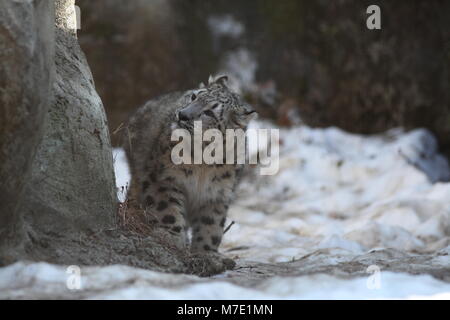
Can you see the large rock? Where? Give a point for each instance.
(72, 187)
(26, 68)
(56, 163)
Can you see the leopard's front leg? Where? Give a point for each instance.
(207, 227)
(207, 233)
(165, 202)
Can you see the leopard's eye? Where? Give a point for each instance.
(193, 97)
(215, 106)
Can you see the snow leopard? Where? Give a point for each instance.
(185, 196)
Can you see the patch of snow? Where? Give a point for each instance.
(240, 65)
(43, 280)
(122, 172)
(344, 191)
(225, 25)
(237, 62)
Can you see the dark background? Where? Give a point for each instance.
(315, 59)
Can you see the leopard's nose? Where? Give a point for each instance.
(183, 115)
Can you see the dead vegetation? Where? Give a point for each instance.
(137, 223)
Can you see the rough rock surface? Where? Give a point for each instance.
(72, 178)
(346, 266)
(26, 69)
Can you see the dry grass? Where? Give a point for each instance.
(133, 218)
(141, 223)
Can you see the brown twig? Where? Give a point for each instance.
(228, 228)
(120, 127)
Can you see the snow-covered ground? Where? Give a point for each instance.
(121, 282)
(342, 195)
(338, 190)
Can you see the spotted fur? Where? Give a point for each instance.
(185, 196)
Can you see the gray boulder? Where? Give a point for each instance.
(26, 69)
(72, 178)
(55, 154)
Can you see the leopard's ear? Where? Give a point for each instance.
(201, 85)
(210, 80)
(222, 79)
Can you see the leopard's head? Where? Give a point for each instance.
(216, 106)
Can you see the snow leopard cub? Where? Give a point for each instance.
(185, 196)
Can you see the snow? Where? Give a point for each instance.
(225, 25)
(335, 192)
(340, 190)
(122, 173)
(237, 62)
(121, 282)
(240, 65)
